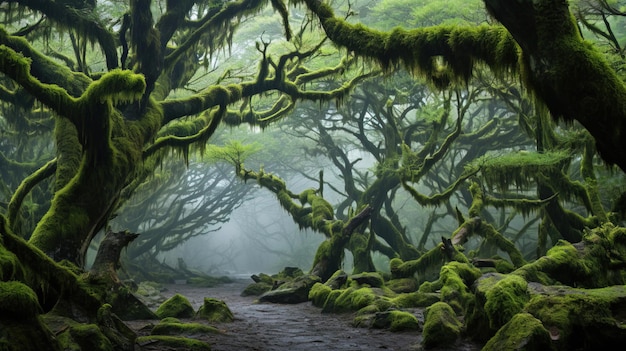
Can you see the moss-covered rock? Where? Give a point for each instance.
(90, 337)
(318, 294)
(208, 281)
(18, 301)
(256, 289)
(504, 299)
(395, 320)
(522, 332)
(402, 285)
(580, 318)
(453, 283)
(372, 279)
(214, 310)
(441, 327)
(415, 299)
(295, 291)
(176, 306)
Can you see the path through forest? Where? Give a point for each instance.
(273, 327)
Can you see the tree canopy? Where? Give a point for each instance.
(493, 125)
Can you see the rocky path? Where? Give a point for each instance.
(273, 327)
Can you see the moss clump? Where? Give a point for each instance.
(522, 332)
(256, 289)
(208, 282)
(505, 299)
(441, 327)
(453, 282)
(214, 310)
(319, 294)
(415, 299)
(176, 306)
(176, 328)
(90, 337)
(18, 301)
(173, 342)
(581, 318)
(372, 279)
(402, 285)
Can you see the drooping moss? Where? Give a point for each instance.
(176, 306)
(441, 327)
(214, 310)
(522, 332)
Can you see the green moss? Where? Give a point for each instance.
(402, 285)
(319, 294)
(522, 332)
(90, 337)
(441, 327)
(176, 306)
(402, 320)
(18, 301)
(454, 280)
(582, 318)
(505, 299)
(415, 299)
(165, 342)
(10, 267)
(214, 310)
(256, 289)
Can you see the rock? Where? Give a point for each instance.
(176, 306)
(214, 310)
(522, 332)
(441, 327)
(373, 279)
(295, 291)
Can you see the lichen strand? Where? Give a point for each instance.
(420, 50)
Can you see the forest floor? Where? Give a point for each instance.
(273, 327)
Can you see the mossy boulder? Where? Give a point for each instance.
(295, 291)
(338, 280)
(441, 326)
(318, 294)
(256, 289)
(214, 310)
(176, 306)
(580, 318)
(90, 337)
(18, 301)
(521, 332)
(402, 285)
(372, 279)
(415, 299)
(208, 281)
(395, 320)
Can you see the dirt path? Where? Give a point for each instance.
(273, 327)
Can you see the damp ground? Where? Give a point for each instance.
(274, 327)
